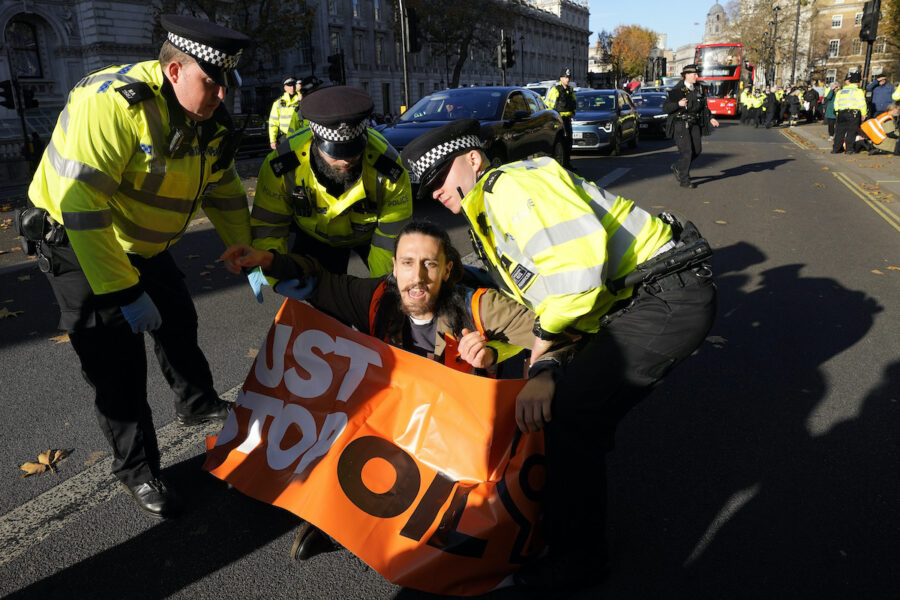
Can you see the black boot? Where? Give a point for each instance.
(154, 498)
(216, 411)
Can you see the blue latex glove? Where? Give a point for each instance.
(142, 314)
(292, 289)
(257, 280)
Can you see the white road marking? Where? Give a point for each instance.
(39, 518)
(612, 176)
(734, 504)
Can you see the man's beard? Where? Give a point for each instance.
(336, 178)
(419, 308)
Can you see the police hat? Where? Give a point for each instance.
(338, 119)
(216, 49)
(309, 84)
(853, 77)
(692, 68)
(289, 81)
(566, 72)
(428, 155)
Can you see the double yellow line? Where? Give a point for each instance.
(883, 211)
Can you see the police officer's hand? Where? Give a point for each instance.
(474, 350)
(240, 256)
(533, 402)
(273, 145)
(682, 102)
(713, 122)
(142, 314)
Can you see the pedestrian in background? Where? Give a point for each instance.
(689, 119)
(770, 106)
(830, 117)
(138, 150)
(881, 92)
(811, 97)
(561, 98)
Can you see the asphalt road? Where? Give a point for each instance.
(764, 467)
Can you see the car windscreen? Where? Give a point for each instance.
(590, 102)
(456, 104)
(650, 101)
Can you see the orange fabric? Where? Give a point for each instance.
(415, 468)
(873, 129)
(373, 305)
(476, 309)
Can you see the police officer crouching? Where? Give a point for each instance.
(850, 109)
(137, 151)
(339, 185)
(689, 119)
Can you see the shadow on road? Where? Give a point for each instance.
(769, 165)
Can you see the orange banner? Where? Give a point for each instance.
(414, 467)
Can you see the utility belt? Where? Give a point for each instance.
(38, 229)
(689, 251)
(848, 114)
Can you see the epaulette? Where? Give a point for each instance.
(136, 92)
(491, 180)
(284, 163)
(388, 168)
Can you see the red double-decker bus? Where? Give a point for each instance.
(722, 69)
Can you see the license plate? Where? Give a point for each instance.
(577, 135)
(644, 125)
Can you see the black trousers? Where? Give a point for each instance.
(114, 361)
(334, 258)
(616, 369)
(689, 142)
(567, 140)
(845, 128)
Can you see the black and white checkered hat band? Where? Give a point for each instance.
(207, 54)
(343, 133)
(446, 149)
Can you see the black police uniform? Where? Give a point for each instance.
(687, 125)
(565, 103)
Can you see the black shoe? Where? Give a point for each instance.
(154, 498)
(218, 411)
(310, 541)
(674, 170)
(688, 184)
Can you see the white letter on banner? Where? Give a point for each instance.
(272, 377)
(261, 407)
(279, 458)
(320, 375)
(360, 358)
(332, 429)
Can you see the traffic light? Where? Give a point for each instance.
(502, 55)
(336, 68)
(510, 53)
(28, 97)
(413, 39)
(868, 26)
(6, 93)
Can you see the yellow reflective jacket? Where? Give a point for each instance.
(555, 239)
(373, 210)
(284, 116)
(896, 95)
(563, 104)
(108, 176)
(850, 97)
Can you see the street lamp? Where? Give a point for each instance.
(775, 44)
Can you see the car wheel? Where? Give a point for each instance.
(615, 148)
(559, 151)
(634, 140)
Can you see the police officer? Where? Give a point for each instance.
(135, 154)
(340, 184)
(689, 119)
(561, 98)
(850, 109)
(560, 245)
(284, 118)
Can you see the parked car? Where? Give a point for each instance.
(515, 124)
(604, 118)
(651, 118)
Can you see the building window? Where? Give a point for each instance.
(857, 21)
(306, 55)
(836, 21)
(334, 41)
(856, 46)
(23, 45)
(379, 51)
(397, 54)
(880, 45)
(830, 76)
(332, 7)
(357, 48)
(356, 8)
(834, 48)
(376, 5)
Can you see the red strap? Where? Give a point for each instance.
(373, 305)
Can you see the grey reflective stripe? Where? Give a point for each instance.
(142, 234)
(561, 233)
(179, 205)
(264, 232)
(284, 147)
(154, 179)
(601, 200)
(575, 282)
(624, 237)
(267, 216)
(382, 241)
(227, 202)
(106, 77)
(392, 228)
(79, 171)
(391, 153)
(64, 119)
(81, 221)
(530, 164)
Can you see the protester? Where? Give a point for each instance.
(553, 241)
(127, 168)
(881, 92)
(830, 116)
(811, 101)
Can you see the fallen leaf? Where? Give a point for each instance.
(825, 168)
(60, 339)
(46, 460)
(24, 277)
(32, 468)
(893, 268)
(877, 272)
(5, 312)
(251, 353)
(819, 185)
(721, 222)
(4, 252)
(15, 248)
(778, 210)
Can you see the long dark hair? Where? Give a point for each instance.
(451, 301)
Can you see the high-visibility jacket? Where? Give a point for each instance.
(745, 98)
(555, 239)
(108, 174)
(561, 99)
(850, 97)
(285, 118)
(896, 95)
(373, 210)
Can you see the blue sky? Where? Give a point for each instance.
(662, 16)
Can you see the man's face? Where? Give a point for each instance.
(691, 78)
(340, 166)
(882, 80)
(461, 175)
(197, 93)
(420, 268)
(564, 80)
(289, 89)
